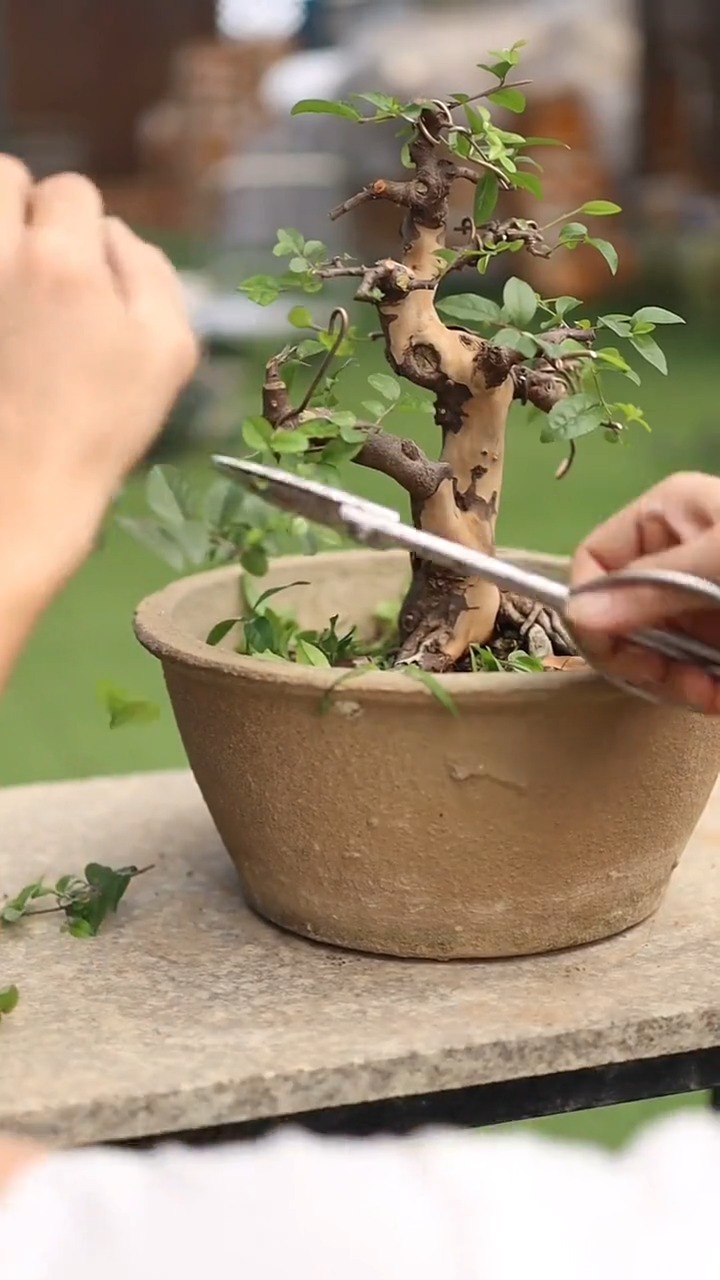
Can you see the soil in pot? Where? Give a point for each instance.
(549, 812)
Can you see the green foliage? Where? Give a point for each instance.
(483, 659)
(192, 530)
(123, 710)
(520, 303)
(85, 901)
(433, 686)
(9, 999)
(589, 407)
(267, 633)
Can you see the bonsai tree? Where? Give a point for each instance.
(463, 356)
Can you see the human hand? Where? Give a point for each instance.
(676, 525)
(16, 1155)
(95, 346)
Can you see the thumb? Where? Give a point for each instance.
(617, 609)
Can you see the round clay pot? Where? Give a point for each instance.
(549, 813)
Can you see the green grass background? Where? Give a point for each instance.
(53, 727)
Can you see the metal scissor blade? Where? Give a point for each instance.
(319, 503)
(378, 526)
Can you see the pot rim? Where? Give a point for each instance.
(156, 630)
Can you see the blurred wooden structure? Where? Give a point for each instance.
(141, 94)
(681, 91)
(82, 72)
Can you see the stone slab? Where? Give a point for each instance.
(189, 1012)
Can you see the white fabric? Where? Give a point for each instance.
(460, 1206)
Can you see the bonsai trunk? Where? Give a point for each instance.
(474, 383)
(444, 614)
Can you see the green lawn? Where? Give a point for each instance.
(52, 727)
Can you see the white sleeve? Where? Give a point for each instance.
(461, 1206)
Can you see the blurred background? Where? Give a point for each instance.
(179, 109)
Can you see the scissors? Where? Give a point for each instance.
(381, 527)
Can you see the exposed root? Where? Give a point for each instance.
(523, 624)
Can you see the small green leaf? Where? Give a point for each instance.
(573, 233)
(520, 661)
(382, 102)
(387, 387)
(657, 315)
(522, 342)
(321, 106)
(405, 157)
(529, 182)
(124, 710)
(9, 999)
(621, 325)
(81, 929)
(375, 409)
(308, 655)
(298, 266)
(257, 434)
(344, 419)
(546, 142)
(433, 686)
(262, 290)
(471, 308)
(221, 630)
(608, 252)
(300, 318)
(157, 539)
(574, 416)
(648, 348)
(600, 208)
(487, 193)
(168, 495)
(254, 560)
(194, 538)
(338, 452)
(19, 906)
(511, 99)
(289, 243)
(612, 359)
(289, 441)
(520, 302)
(483, 659)
(566, 304)
(256, 605)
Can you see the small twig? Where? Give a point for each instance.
(487, 93)
(352, 202)
(88, 894)
(338, 273)
(464, 171)
(339, 315)
(566, 464)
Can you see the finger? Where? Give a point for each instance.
(142, 272)
(15, 188)
(69, 203)
(679, 508)
(619, 610)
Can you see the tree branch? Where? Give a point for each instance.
(469, 175)
(401, 193)
(543, 389)
(337, 272)
(403, 461)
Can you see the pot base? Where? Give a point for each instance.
(550, 813)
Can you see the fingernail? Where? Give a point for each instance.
(594, 612)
